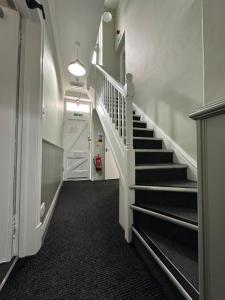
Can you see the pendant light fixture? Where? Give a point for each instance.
(76, 67)
(107, 17)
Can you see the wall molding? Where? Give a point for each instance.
(180, 156)
(210, 110)
(46, 223)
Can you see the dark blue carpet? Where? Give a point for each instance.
(84, 255)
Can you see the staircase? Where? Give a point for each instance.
(161, 209)
(165, 226)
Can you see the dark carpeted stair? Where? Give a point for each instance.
(165, 224)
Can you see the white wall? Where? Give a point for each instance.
(110, 58)
(163, 41)
(52, 94)
(214, 49)
(52, 129)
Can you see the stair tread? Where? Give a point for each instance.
(185, 214)
(136, 121)
(184, 259)
(154, 150)
(147, 138)
(146, 129)
(160, 166)
(178, 183)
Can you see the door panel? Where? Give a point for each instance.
(9, 41)
(76, 145)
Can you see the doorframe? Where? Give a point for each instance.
(8, 238)
(84, 101)
(30, 132)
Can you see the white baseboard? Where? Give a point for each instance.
(48, 217)
(180, 156)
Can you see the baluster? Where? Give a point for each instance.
(115, 100)
(104, 92)
(107, 107)
(129, 94)
(119, 114)
(109, 99)
(111, 102)
(113, 97)
(123, 127)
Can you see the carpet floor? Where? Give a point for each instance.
(84, 255)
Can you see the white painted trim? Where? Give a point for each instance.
(45, 224)
(31, 151)
(113, 81)
(210, 110)
(180, 156)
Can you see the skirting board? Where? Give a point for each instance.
(14, 260)
(48, 217)
(180, 156)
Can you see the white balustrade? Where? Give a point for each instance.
(114, 106)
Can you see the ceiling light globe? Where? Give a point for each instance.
(107, 17)
(76, 68)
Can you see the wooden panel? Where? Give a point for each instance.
(214, 207)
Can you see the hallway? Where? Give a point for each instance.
(84, 255)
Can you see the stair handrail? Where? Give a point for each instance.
(113, 81)
(117, 100)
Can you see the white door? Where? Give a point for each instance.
(111, 171)
(76, 141)
(9, 41)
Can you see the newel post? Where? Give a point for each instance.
(129, 95)
(129, 158)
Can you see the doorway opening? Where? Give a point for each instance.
(76, 140)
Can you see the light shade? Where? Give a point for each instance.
(107, 16)
(76, 68)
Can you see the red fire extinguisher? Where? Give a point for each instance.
(98, 162)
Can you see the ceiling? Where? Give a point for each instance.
(71, 21)
(111, 4)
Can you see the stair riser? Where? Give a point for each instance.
(147, 144)
(176, 199)
(143, 133)
(169, 288)
(158, 175)
(187, 237)
(153, 158)
(139, 125)
(136, 118)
